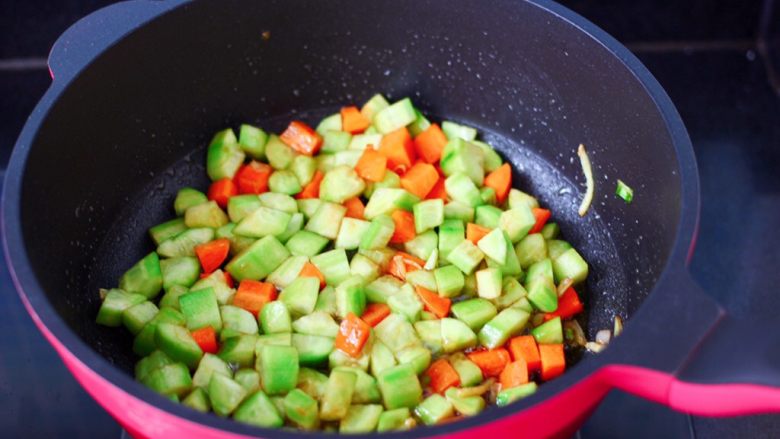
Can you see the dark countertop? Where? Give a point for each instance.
(711, 67)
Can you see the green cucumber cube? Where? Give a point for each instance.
(549, 332)
(275, 318)
(186, 198)
(258, 260)
(570, 265)
(116, 301)
(200, 309)
(474, 312)
(326, 221)
(361, 418)
(258, 409)
(517, 222)
(144, 278)
(207, 214)
(305, 243)
(466, 256)
(333, 265)
(428, 214)
(279, 370)
(400, 387)
(300, 296)
(167, 230)
(507, 323)
(434, 409)
(225, 394)
(456, 335)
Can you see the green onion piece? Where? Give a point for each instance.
(624, 191)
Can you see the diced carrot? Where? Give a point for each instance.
(541, 215)
(490, 362)
(252, 295)
(501, 181)
(252, 178)
(404, 226)
(312, 189)
(311, 270)
(569, 305)
(372, 165)
(228, 279)
(398, 148)
(375, 313)
(524, 347)
(437, 191)
(353, 334)
(420, 179)
(355, 208)
(212, 254)
(514, 374)
(442, 375)
(301, 138)
(221, 191)
(439, 306)
(475, 232)
(439, 170)
(553, 360)
(430, 143)
(353, 121)
(206, 338)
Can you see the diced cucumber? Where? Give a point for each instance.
(451, 233)
(466, 256)
(488, 195)
(379, 290)
(182, 271)
(218, 282)
(275, 318)
(326, 302)
(391, 181)
(316, 323)
(178, 344)
(279, 370)
(417, 357)
(258, 409)
(153, 361)
(184, 243)
(144, 278)
(519, 198)
(543, 294)
(350, 297)
(378, 233)
(556, 248)
(549, 332)
(428, 214)
(338, 358)
(301, 409)
(304, 168)
(167, 230)
(385, 200)
(186, 198)
(512, 394)
(467, 406)
(449, 281)
(300, 296)
(422, 245)
(381, 358)
(474, 312)
(305, 243)
(338, 395)
(494, 246)
(326, 221)
(569, 265)
(422, 278)
(420, 124)
(493, 161)
(313, 350)
(457, 131)
(517, 222)
(507, 323)
(351, 233)
(395, 116)
(307, 206)
(171, 379)
(207, 214)
(373, 106)
(330, 123)
(137, 316)
(287, 272)
(429, 331)
(312, 382)
(225, 394)
(224, 156)
(280, 156)
(248, 378)
(258, 260)
(531, 249)
(488, 216)
(489, 282)
(396, 333)
(282, 202)
(144, 343)
(171, 298)
(469, 373)
(456, 335)
(460, 188)
(198, 400)
(262, 222)
(456, 210)
(294, 226)
(333, 265)
(406, 303)
(340, 184)
(238, 319)
(398, 419)
(360, 418)
(200, 309)
(460, 156)
(363, 141)
(252, 141)
(335, 141)
(364, 267)
(434, 409)
(114, 304)
(380, 256)
(551, 231)
(400, 387)
(511, 292)
(208, 366)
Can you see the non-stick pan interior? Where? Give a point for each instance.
(130, 130)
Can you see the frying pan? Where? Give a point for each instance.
(138, 88)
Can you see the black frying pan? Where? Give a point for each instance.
(140, 86)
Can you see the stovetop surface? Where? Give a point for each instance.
(713, 71)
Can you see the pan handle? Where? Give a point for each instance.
(83, 41)
(732, 366)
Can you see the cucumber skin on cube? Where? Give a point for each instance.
(209, 365)
(200, 309)
(258, 260)
(313, 350)
(198, 400)
(373, 106)
(398, 419)
(114, 304)
(487, 216)
(334, 141)
(395, 116)
(238, 319)
(332, 122)
(500, 328)
(542, 294)
(252, 141)
(456, 210)
(454, 130)
(460, 156)
(146, 365)
(305, 243)
(400, 387)
(517, 222)
(494, 246)
(456, 335)
(279, 155)
(449, 280)
(144, 278)
(459, 187)
(385, 200)
(531, 249)
(287, 272)
(144, 343)
(451, 233)
(396, 333)
(422, 245)
(186, 198)
(279, 370)
(489, 282)
(258, 409)
(350, 297)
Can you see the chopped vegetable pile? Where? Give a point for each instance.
(374, 274)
